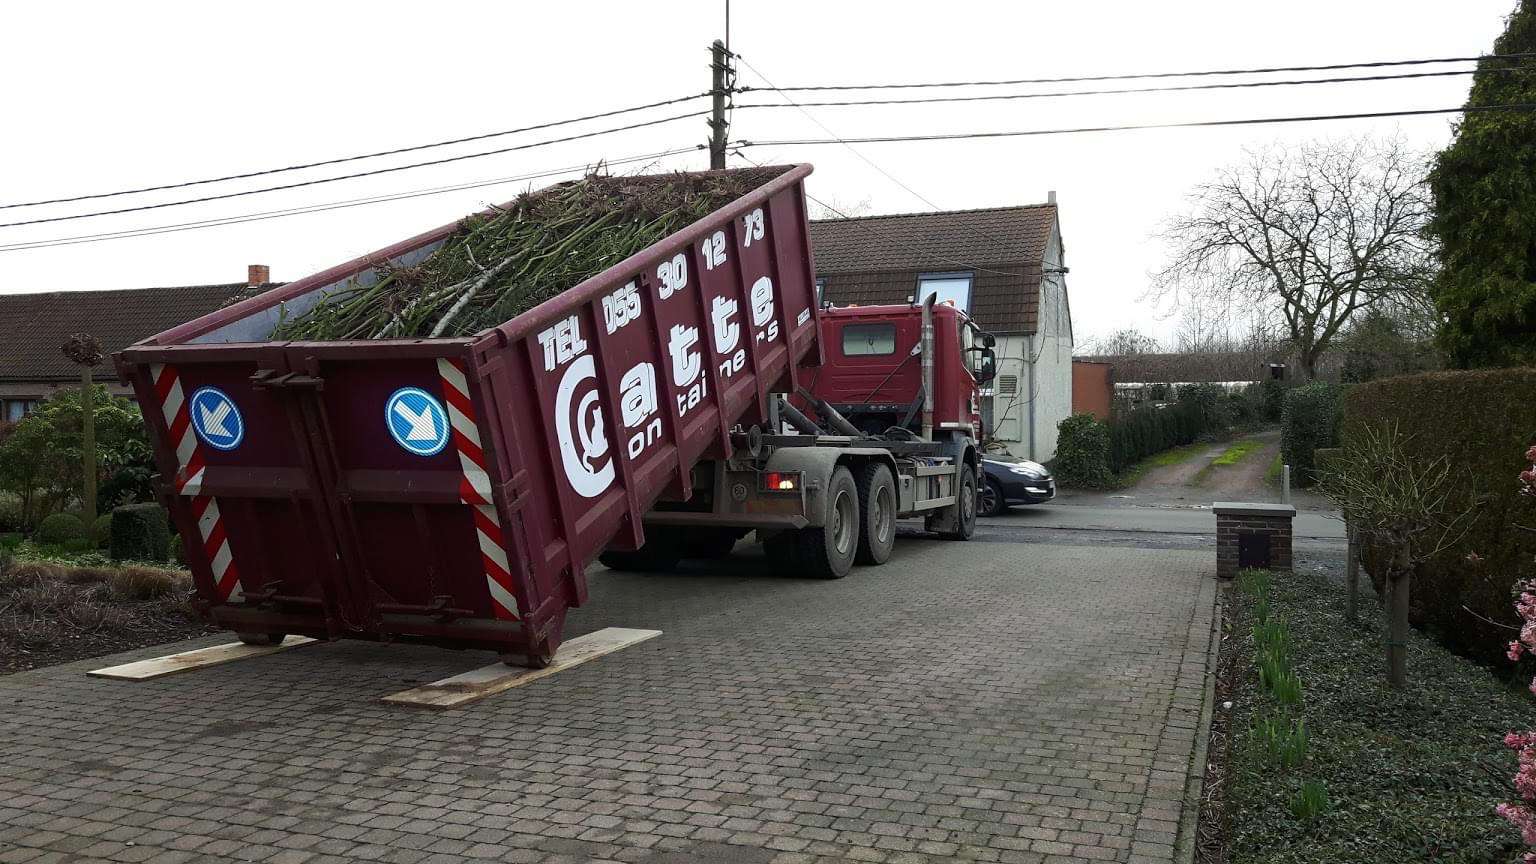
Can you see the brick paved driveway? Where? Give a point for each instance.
(987, 701)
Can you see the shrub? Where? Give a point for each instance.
(10, 540)
(1152, 429)
(59, 529)
(1482, 422)
(1310, 421)
(1274, 399)
(10, 513)
(144, 583)
(1082, 452)
(101, 531)
(140, 532)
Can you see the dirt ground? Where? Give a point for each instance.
(1195, 481)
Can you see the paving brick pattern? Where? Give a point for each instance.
(982, 701)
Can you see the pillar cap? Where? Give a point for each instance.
(1239, 508)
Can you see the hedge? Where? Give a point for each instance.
(1082, 452)
(101, 531)
(1309, 421)
(1138, 434)
(140, 532)
(1483, 421)
(59, 529)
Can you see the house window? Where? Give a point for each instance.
(15, 409)
(951, 288)
(821, 289)
(861, 340)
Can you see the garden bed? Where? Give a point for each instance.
(1410, 775)
(58, 611)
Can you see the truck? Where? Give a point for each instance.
(453, 491)
(887, 428)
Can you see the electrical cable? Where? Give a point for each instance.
(340, 160)
(372, 173)
(1144, 75)
(1126, 90)
(319, 208)
(1469, 109)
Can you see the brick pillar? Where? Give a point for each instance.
(1235, 520)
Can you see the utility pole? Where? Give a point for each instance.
(722, 78)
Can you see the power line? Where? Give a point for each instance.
(1143, 75)
(824, 128)
(372, 173)
(1130, 127)
(318, 208)
(1124, 90)
(343, 159)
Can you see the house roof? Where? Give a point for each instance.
(1005, 243)
(1189, 367)
(33, 326)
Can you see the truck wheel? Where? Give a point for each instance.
(661, 552)
(262, 638)
(964, 513)
(877, 512)
(827, 552)
(992, 501)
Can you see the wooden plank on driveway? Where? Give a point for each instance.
(477, 684)
(201, 658)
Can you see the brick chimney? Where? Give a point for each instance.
(1050, 197)
(257, 274)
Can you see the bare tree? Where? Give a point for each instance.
(1127, 340)
(1314, 234)
(836, 208)
(1392, 497)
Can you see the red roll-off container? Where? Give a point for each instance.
(453, 490)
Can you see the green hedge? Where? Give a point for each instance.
(1483, 421)
(59, 529)
(1138, 434)
(1082, 452)
(1310, 421)
(101, 531)
(140, 532)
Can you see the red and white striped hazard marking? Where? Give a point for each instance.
(190, 468)
(475, 488)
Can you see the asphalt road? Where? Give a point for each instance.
(1083, 514)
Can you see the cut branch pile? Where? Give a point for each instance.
(502, 263)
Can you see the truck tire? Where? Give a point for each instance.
(662, 550)
(827, 552)
(877, 513)
(262, 638)
(964, 513)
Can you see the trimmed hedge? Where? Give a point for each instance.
(101, 531)
(1140, 433)
(1310, 421)
(58, 529)
(140, 532)
(1082, 452)
(1483, 421)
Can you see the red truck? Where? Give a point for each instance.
(453, 490)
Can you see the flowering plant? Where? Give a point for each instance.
(1523, 814)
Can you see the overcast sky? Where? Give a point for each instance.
(107, 96)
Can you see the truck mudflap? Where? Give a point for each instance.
(453, 490)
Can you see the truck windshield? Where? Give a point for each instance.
(865, 339)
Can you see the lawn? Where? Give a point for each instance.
(1409, 775)
(1173, 456)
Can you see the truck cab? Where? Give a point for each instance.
(873, 371)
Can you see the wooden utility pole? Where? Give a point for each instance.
(721, 75)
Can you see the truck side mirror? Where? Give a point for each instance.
(988, 340)
(986, 370)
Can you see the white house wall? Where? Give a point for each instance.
(1026, 423)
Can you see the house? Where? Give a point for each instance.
(33, 326)
(1004, 266)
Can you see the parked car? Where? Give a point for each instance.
(1014, 481)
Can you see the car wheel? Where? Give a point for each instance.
(992, 501)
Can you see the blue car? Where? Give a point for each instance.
(1014, 481)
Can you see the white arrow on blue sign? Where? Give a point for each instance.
(216, 419)
(417, 421)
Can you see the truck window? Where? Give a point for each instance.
(866, 339)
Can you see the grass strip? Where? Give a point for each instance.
(1238, 451)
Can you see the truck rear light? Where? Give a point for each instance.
(781, 481)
